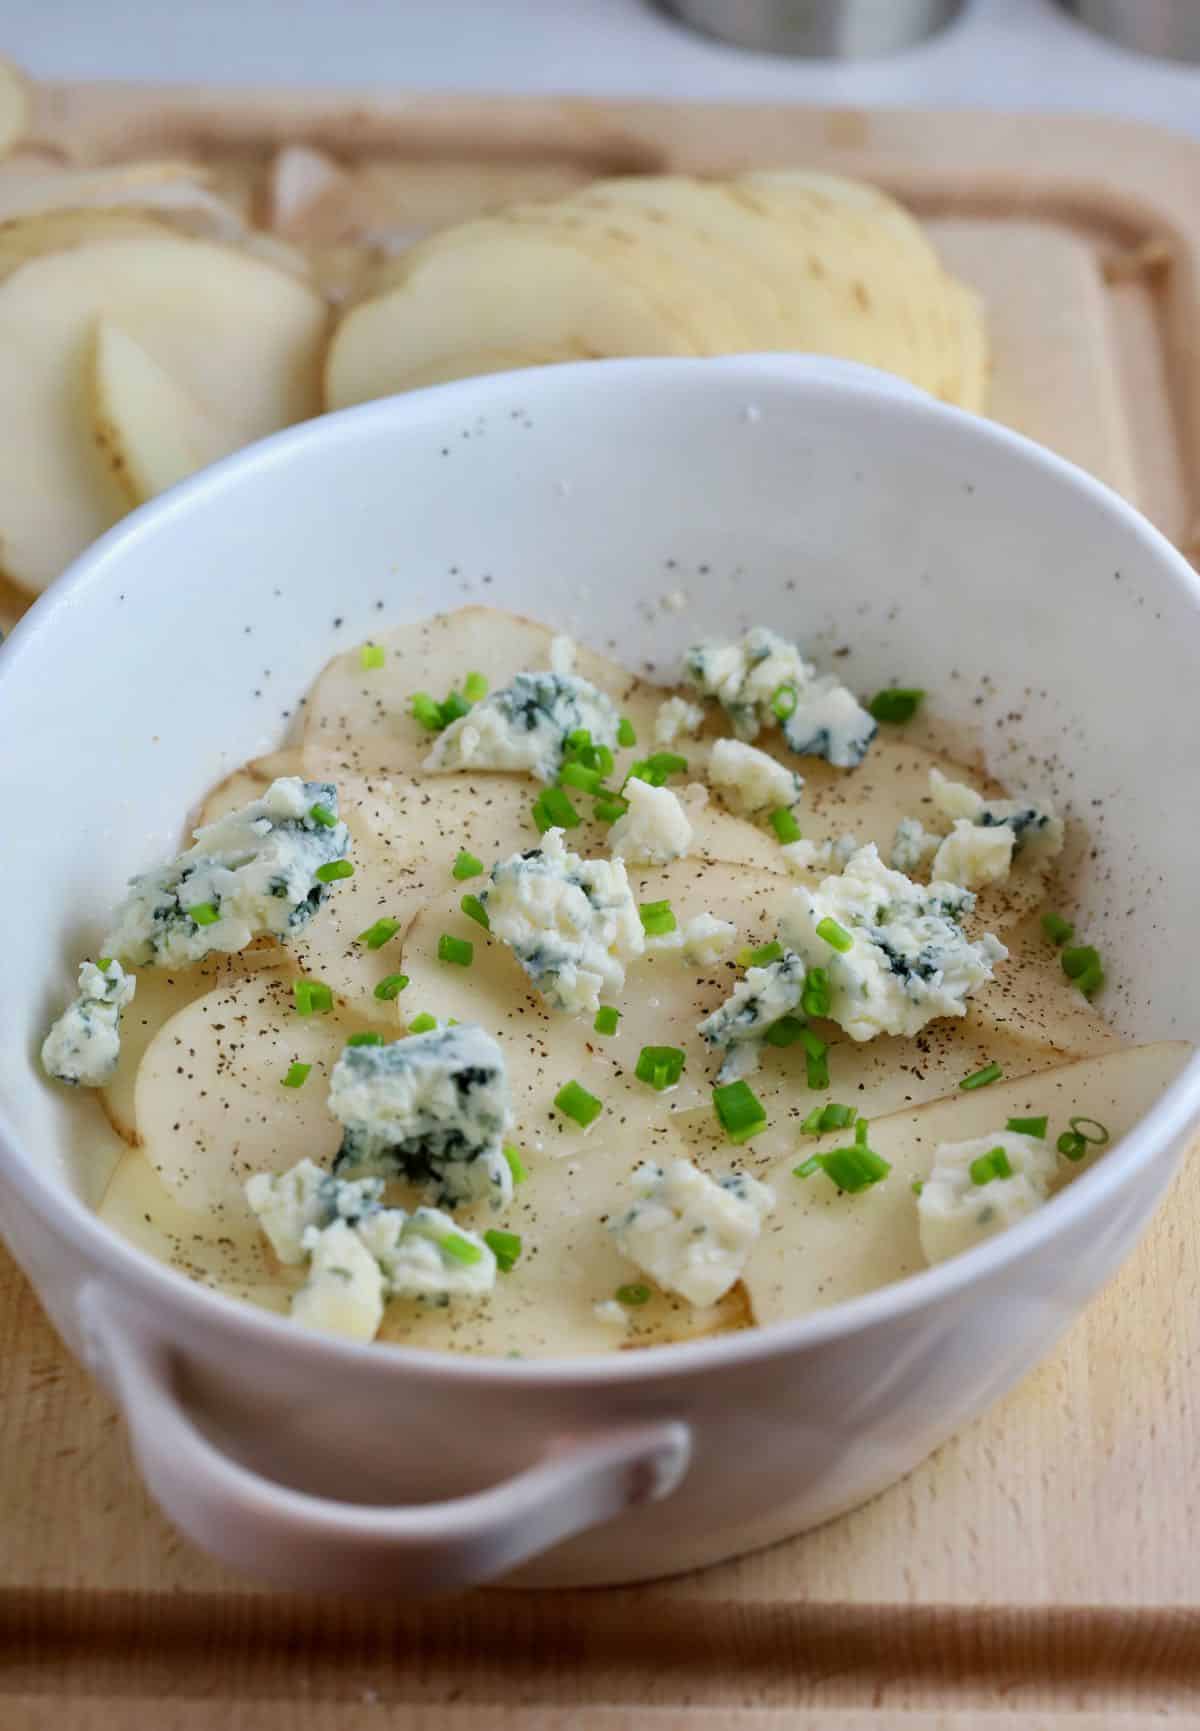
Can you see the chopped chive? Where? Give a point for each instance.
(918, 1184)
(365, 1040)
(104, 963)
(1072, 1144)
(475, 910)
(828, 1117)
(784, 1032)
(669, 762)
(586, 780)
(899, 703)
(783, 701)
(427, 712)
(816, 1060)
(391, 987)
(460, 1248)
(297, 1075)
(1090, 1129)
(312, 997)
(751, 958)
(379, 934)
(372, 655)
(1083, 965)
(598, 757)
(574, 1101)
(633, 1294)
(609, 810)
(1028, 1126)
(626, 734)
(606, 1019)
(660, 1066)
(422, 1024)
(860, 1132)
(337, 868)
(1057, 929)
(475, 687)
(204, 913)
(505, 1247)
(467, 865)
(981, 1078)
(453, 708)
(459, 951)
(321, 814)
(739, 1111)
(514, 1162)
(816, 998)
(994, 1164)
(837, 937)
(553, 810)
(579, 739)
(851, 1169)
(783, 822)
(658, 918)
(643, 770)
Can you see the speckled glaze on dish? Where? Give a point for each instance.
(823, 499)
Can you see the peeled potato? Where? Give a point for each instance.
(144, 424)
(240, 338)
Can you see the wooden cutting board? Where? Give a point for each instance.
(1041, 1570)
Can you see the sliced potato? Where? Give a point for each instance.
(145, 425)
(14, 107)
(241, 339)
(821, 1246)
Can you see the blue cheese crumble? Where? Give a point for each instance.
(909, 961)
(572, 923)
(912, 846)
(677, 717)
(432, 1109)
(755, 1004)
(344, 1291)
(749, 780)
(84, 1044)
(250, 874)
(954, 1212)
(411, 1251)
(763, 681)
(1037, 831)
(289, 1205)
(525, 726)
(690, 1233)
(654, 830)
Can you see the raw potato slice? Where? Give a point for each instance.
(361, 719)
(210, 1103)
(174, 190)
(496, 285)
(14, 106)
(821, 1247)
(241, 338)
(145, 426)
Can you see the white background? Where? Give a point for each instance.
(1001, 53)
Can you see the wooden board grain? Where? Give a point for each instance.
(1039, 1570)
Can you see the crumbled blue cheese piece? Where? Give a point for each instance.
(432, 1109)
(345, 1289)
(912, 846)
(973, 855)
(84, 1044)
(655, 829)
(571, 923)
(525, 726)
(290, 1204)
(409, 1248)
(955, 1213)
(691, 1233)
(805, 856)
(825, 720)
(756, 1003)
(749, 780)
(677, 717)
(255, 869)
(705, 938)
(909, 961)
(1038, 832)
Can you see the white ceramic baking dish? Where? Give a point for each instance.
(821, 499)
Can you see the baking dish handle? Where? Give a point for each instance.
(300, 1540)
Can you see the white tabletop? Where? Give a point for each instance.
(1001, 53)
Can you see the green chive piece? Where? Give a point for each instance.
(626, 733)
(372, 655)
(1090, 1129)
(379, 934)
(837, 937)
(1058, 930)
(851, 1169)
(739, 1111)
(204, 913)
(816, 1060)
(1072, 1144)
(660, 1066)
(453, 708)
(633, 1294)
(668, 762)
(644, 771)
(427, 712)
(365, 1040)
(104, 963)
(981, 1078)
(1028, 1127)
(860, 1132)
(829, 1117)
(337, 868)
(609, 810)
(751, 958)
(783, 701)
(783, 821)
(475, 687)
(312, 997)
(297, 1075)
(460, 1249)
(994, 1164)
(422, 1024)
(466, 866)
(606, 1019)
(553, 810)
(321, 814)
(579, 739)
(586, 780)
(574, 1101)
(475, 910)
(505, 1247)
(391, 987)
(515, 1164)
(918, 1184)
(806, 1170)
(459, 951)
(1083, 965)
(658, 918)
(898, 704)
(785, 1032)
(817, 996)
